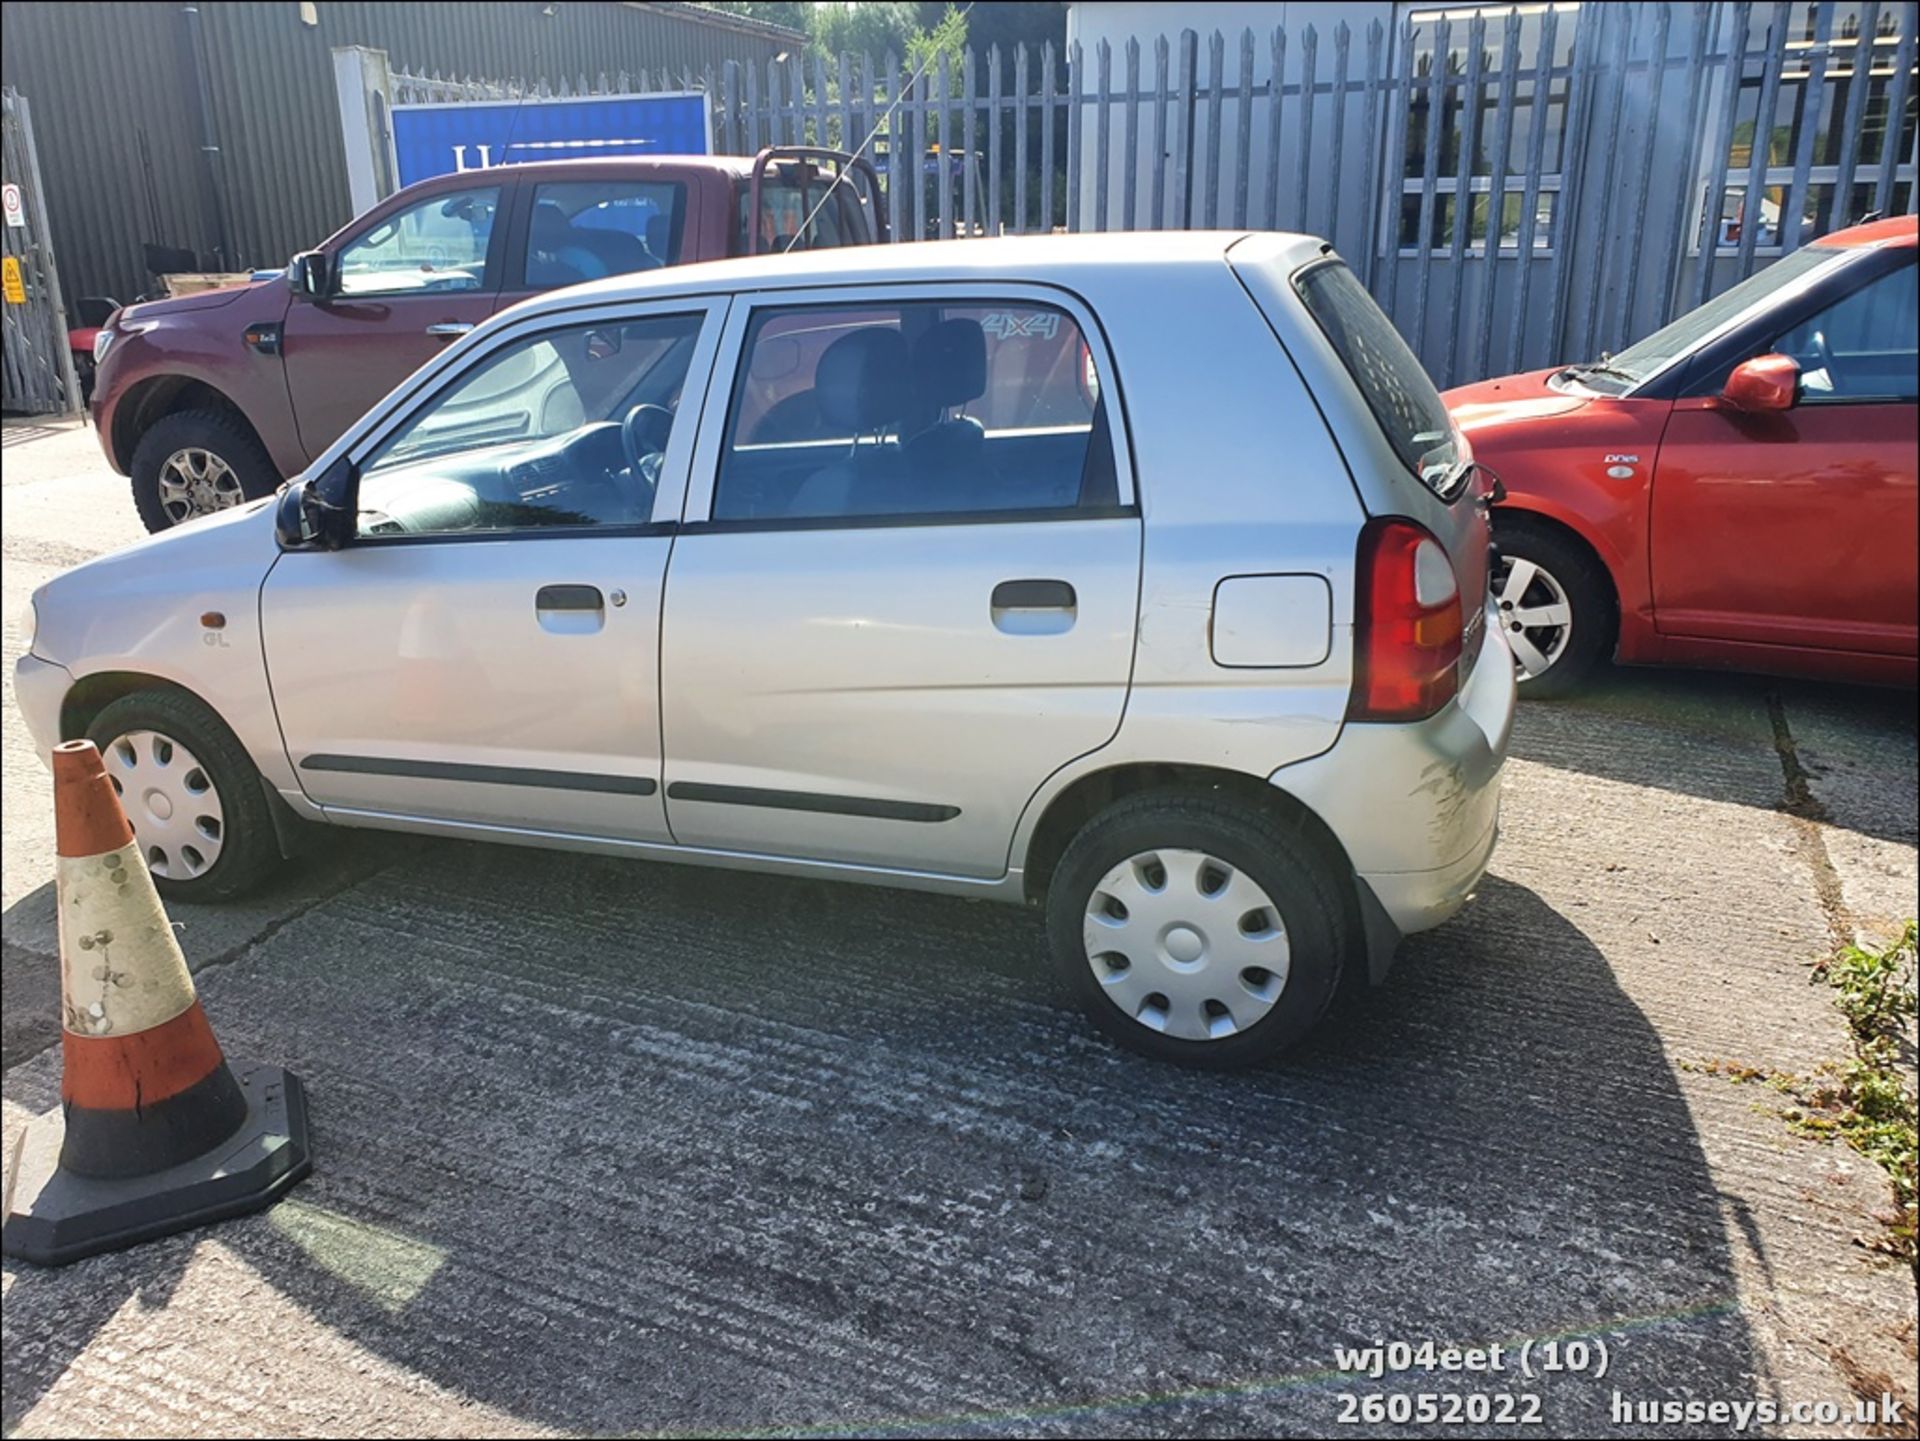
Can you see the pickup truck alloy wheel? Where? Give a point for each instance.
(171, 802)
(195, 482)
(1186, 945)
(1537, 613)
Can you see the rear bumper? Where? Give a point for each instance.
(1417, 806)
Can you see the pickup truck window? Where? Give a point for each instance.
(785, 203)
(587, 229)
(437, 245)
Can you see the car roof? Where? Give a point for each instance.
(1896, 231)
(1057, 258)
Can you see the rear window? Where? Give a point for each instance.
(801, 208)
(1388, 374)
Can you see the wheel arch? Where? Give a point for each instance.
(91, 694)
(1535, 518)
(154, 399)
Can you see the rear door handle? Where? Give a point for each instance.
(1034, 595)
(447, 329)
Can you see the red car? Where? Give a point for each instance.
(1737, 490)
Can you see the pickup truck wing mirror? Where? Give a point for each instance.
(311, 275)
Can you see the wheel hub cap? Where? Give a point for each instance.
(1186, 945)
(196, 482)
(1536, 611)
(178, 822)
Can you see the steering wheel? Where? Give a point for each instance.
(643, 436)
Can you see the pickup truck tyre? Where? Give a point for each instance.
(190, 793)
(197, 462)
(1198, 929)
(1556, 575)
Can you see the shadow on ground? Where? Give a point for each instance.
(1720, 736)
(615, 1147)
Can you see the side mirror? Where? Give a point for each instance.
(316, 512)
(1767, 383)
(311, 275)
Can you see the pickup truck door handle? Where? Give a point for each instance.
(447, 329)
(1034, 595)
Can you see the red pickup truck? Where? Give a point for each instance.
(208, 400)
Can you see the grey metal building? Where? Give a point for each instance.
(126, 93)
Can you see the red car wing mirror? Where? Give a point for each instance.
(1765, 383)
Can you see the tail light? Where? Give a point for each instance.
(1408, 632)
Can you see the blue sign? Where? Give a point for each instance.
(431, 140)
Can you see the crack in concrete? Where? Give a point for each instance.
(1808, 817)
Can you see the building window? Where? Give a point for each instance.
(1821, 209)
(1536, 106)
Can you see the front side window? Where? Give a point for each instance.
(919, 408)
(565, 430)
(1408, 409)
(584, 230)
(436, 246)
(1863, 347)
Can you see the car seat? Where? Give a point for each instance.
(862, 388)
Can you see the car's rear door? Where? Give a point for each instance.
(905, 590)
(1797, 528)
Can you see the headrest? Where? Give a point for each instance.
(861, 380)
(950, 364)
(550, 225)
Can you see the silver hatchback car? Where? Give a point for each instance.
(1139, 577)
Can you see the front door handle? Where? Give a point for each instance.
(569, 597)
(447, 329)
(570, 609)
(1034, 595)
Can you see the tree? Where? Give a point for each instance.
(874, 28)
(794, 14)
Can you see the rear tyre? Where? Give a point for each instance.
(1556, 604)
(190, 793)
(195, 463)
(1197, 929)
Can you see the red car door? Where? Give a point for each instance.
(1798, 527)
(408, 283)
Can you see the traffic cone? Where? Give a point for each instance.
(155, 1132)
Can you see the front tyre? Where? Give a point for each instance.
(196, 463)
(1195, 928)
(1556, 604)
(190, 793)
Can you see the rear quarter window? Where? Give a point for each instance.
(1384, 369)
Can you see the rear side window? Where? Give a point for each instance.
(587, 229)
(1388, 374)
(915, 409)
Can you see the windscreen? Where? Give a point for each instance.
(1389, 376)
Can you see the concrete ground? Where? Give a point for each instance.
(609, 1147)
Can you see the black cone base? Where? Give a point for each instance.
(54, 1216)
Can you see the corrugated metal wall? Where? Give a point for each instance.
(119, 131)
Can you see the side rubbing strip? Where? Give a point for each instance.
(484, 775)
(881, 810)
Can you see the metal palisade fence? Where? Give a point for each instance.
(1517, 185)
(38, 369)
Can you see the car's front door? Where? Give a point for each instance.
(905, 592)
(484, 652)
(1797, 528)
(406, 286)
